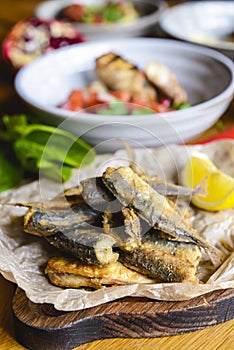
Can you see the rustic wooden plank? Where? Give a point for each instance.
(40, 326)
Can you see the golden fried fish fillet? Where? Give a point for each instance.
(69, 273)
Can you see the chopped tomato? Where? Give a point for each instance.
(124, 96)
(80, 99)
(76, 100)
(74, 12)
(140, 101)
(98, 18)
(91, 99)
(160, 108)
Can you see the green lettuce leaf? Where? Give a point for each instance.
(45, 149)
(11, 174)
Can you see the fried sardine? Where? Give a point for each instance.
(67, 209)
(151, 253)
(116, 222)
(163, 260)
(69, 273)
(74, 231)
(158, 212)
(87, 244)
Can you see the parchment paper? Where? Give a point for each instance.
(23, 256)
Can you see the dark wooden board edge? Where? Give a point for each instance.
(41, 326)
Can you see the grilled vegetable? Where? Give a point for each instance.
(223, 134)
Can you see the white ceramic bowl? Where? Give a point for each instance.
(150, 11)
(206, 74)
(210, 23)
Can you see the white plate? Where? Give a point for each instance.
(204, 22)
(151, 10)
(206, 74)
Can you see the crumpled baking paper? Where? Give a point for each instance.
(23, 256)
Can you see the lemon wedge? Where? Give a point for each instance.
(219, 193)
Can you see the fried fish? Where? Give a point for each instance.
(88, 244)
(158, 212)
(163, 260)
(151, 253)
(97, 195)
(124, 226)
(116, 222)
(47, 218)
(69, 273)
(173, 191)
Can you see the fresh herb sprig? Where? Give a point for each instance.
(38, 148)
(117, 107)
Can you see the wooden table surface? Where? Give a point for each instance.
(217, 337)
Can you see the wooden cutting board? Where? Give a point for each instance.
(41, 326)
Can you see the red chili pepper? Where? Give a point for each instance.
(226, 134)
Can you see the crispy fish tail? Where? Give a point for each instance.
(175, 191)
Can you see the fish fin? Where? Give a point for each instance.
(201, 188)
(215, 255)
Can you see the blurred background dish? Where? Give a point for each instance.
(135, 22)
(33, 37)
(206, 75)
(209, 23)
